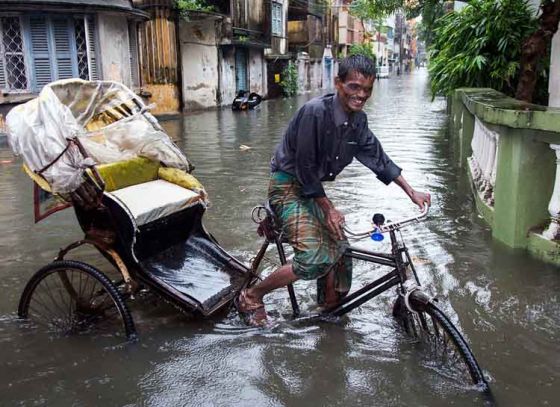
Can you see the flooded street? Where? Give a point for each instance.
(505, 303)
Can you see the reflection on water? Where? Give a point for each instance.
(506, 303)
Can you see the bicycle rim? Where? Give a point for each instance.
(447, 351)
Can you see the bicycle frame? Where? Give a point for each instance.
(398, 260)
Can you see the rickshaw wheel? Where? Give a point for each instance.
(71, 297)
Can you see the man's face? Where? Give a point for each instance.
(354, 91)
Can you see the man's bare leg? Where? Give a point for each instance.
(331, 296)
(283, 276)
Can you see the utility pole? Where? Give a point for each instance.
(400, 26)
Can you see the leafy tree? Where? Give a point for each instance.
(192, 5)
(480, 46)
(362, 49)
(532, 51)
(375, 9)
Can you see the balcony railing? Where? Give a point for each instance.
(484, 160)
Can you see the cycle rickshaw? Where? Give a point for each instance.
(95, 146)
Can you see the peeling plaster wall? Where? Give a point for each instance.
(114, 49)
(316, 73)
(199, 59)
(310, 73)
(256, 71)
(227, 75)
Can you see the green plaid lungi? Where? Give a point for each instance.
(316, 251)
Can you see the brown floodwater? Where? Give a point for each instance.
(505, 302)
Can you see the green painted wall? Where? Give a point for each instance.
(526, 164)
(524, 183)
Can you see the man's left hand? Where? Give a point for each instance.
(421, 198)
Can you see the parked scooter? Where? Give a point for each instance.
(245, 100)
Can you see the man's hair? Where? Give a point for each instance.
(356, 63)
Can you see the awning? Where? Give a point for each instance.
(74, 6)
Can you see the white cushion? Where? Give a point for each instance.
(155, 199)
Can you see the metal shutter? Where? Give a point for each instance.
(61, 30)
(40, 51)
(240, 69)
(2, 74)
(2, 54)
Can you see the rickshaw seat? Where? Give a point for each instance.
(156, 199)
(122, 174)
(145, 188)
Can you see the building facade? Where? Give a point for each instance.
(307, 41)
(277, 56)
(222, 51)
(43, 41)
(178, 61)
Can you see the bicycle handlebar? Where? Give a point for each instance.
(392, 225)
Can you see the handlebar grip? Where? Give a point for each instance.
(378, 219)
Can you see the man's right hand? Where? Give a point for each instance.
(334, 219)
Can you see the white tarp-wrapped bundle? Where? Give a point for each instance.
(109, 120)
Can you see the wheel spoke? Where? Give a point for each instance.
(49, 292)
(71, 297)
(447, 351)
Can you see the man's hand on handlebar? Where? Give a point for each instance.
(421, 198)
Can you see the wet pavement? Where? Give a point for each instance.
(505, 302)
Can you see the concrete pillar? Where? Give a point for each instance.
(553, 231)
(302, 67)
(524, 179)
(554, 81)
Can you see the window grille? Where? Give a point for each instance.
(277, 19)
(81, 48)
(13, 76)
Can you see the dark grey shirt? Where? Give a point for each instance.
(322, 139)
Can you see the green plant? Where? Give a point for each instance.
(289, 81)
(480, 46)
(192, 5)
(362, 49)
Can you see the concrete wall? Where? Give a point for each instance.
(113, 48)
(257, 71)
(315, 75)
(227, 75)
(554, 81)
(513, 194)
(310, 73)
(199, 61)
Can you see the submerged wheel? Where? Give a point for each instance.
(448, 352)
(71, 297)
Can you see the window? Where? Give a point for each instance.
(38, 49)
(277, 20)
(13, 76)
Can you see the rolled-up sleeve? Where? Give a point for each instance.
(306, 160)
(370, 153)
